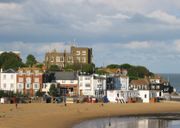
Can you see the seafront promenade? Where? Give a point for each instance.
(60, 116)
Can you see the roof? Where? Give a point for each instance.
(65, 76)
(140, 82)
(9, 71)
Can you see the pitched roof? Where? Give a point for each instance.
(9, 71)
(140, 82)
(65, 76)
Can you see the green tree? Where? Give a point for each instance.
(111, 66)
(10, 60)
(39, 93)
(125, 66)
(53, 91)
(136, 72)
(54, 68)
(100, 72)
(88, 68)
(39, 65)
(30, 60)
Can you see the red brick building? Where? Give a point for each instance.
(29, 80)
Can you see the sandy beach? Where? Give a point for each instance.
(58, 116)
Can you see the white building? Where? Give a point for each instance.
(92, 85)
(86, 85)
(68, 82)
(8, 80)
(124, 96)
(147, 95)
(124, 80)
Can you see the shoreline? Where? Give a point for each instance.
(59, 116)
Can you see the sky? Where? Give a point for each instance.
(138, 32)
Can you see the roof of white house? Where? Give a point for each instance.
(9, 71)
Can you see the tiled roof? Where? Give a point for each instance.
(140, 82)
(65, 76)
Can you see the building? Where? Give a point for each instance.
(81, 55)
(76, 55)
(86, 85)
(68, 83)
(141, 84)
(92, 85)
(29, 81)
(8, 80)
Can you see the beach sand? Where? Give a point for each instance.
(58, 116)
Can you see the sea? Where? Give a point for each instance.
(132, 122)
(174, 80)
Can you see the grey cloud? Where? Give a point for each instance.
(11, 1)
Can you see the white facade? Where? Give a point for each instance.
(67, 82)
(86, 85)
(112, 95)
(146, 95)
(92, 85)
(8, 81)
(99, 85)
(124, 80)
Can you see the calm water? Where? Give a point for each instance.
(133, 122)
(174, 80)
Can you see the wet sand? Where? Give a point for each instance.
(58, 116)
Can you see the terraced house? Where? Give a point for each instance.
(29, 81)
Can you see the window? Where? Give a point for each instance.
(80, 84)
(99, 86)
(4, 77)
(12, 86)
(87, 78)
(69, 59)
(36, 80)
(157, 87)
(87, 85)
(84, 59)
(100, 80)
(61, 59)
(63, 81)
(28, 86)
(145, 96)
(36, 86)
(57, 59)
(28, 80)
(12, 76)
(83, 52)
(152, 87)
(72, 81)
(78, 53)
(4, 85)
(20, 86)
